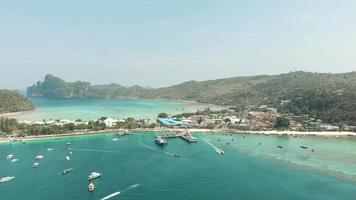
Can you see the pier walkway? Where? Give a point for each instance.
(185, 135)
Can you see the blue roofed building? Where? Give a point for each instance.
(168, 122)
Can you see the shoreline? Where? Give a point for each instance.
(10, 114)
(201, 131)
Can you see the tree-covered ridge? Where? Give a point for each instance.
(54, 87)
(12, 101)
(330, 97)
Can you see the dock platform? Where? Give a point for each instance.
(184, 135)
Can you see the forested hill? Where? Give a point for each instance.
(12, 101)
(332, 97)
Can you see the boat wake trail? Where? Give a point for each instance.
(214, 147)
(131, 187)
(154, 149)
(92, 150)
(148, 147)
(110, 196)
(119, 192)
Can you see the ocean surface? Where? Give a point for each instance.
(95, 108)
(252, 168)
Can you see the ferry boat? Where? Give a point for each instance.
(66, 171)
(6, 179)
(39, 157)
(10, 156)
(91, 187)
(160, 140)
(94, 175)
(35, 165)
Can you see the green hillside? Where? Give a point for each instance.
(11, 101)
(330, 97)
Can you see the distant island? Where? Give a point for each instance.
(330, 97)
(13, 101)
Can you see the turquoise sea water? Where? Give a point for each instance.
(95, 108)
(246, 171)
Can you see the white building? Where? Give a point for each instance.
(110, 122)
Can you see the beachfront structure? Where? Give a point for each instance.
(168, 122)
(109, 122)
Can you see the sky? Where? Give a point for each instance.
(159, 43)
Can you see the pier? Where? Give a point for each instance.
(184, 135)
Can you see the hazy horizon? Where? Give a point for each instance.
(159, 43)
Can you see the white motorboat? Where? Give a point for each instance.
(66, 171)
(35, 165)
(14, 160)
(94, 175)
(220, 151)
(10, 156)
(6, 179)
(39, 157)
(68, 158)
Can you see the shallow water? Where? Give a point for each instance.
(246, 171)
(95, 108)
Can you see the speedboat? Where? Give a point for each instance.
(35, 165)
(10, 156)
(68, 158)
(39, 157)
(94, 175)
(91, 187)
(220, 151)
(6, 179)
(14, 160)
(66, 171)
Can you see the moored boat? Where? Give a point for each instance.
(93, 175)
(14, 160)
(67, 158)
(66, 171)
(35, 165)
(39, 157)
(6, 179)
(91, 187)
(10, 156)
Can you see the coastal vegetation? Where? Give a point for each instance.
(13, 101)
(329, 97)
